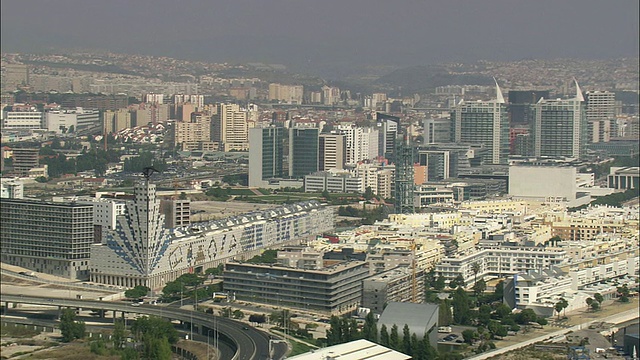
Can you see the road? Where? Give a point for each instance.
(615, 319)
(249, 342)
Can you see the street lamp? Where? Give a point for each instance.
(208, 336)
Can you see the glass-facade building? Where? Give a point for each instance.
(486, 123)
(303, 151)
(560, 128)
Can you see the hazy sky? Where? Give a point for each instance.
(297, 32)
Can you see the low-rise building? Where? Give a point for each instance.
(335, 290)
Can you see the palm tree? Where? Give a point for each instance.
(475, 267)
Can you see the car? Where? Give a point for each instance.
(135, 304)
(245, 328)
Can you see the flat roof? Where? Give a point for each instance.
(354, 350)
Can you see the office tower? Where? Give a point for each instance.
(230, 128)
(601, 115)
(303, 151)
(486, 123)
(266, 155)
(332, 152)
(437, 131)
(387, 135)
(560, 127)
(24, 159)
(52, 238)
(516, 134)
(519, 107)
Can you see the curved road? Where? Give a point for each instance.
(250, 343)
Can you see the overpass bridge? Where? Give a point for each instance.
(247, 342)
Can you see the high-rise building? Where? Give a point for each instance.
(290, 94)
(14, 76)
(266, 155)
(388, 134)
(437, 131)
(230, 128)
(560, 127)
(486, 123)
(330, 95)
(601, 115)
(191, 134)
(332, 151)
(279, 153)
(154, 98)
(519, 107)
(52, 238)
(196, 101)
(303, 151)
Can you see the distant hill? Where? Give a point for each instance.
(421, 79)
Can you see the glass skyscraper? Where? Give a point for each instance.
(486, 123)
(560, 127)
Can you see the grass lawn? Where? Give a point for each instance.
(298, 348)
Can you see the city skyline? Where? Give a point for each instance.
(308, 35)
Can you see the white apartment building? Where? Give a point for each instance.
(499, 261)
(230, 128)
(22, 120)
(332, 181)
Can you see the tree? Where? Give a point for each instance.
(598, 297)
(558, 306)
(155, 327)
(334, 334)
(119, 334)
(444, 313)
(484, 314)
(479, 287)
(502, 311)
(468, 336)
(384, 336)
(215, 271)
(238, 314)
(623, 293)
(589, 301)
(370, 330)
(526, 316)
(595, 306)
(475, 268)
(394, 338)
(461, 307)
(137, 292)
(406, 340)
(69, 327)
(439, 284)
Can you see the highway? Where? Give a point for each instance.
(248, 342)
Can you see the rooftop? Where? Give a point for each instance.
(354, 350)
